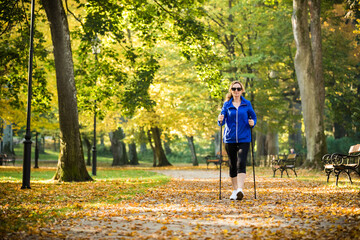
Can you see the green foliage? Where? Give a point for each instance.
(341, 145)
(341, 72)
(251, 41)
(126, 66)
(14, 54)
(135, 93)
(103, 151)
(353, 14)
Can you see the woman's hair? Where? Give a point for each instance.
(229, 94)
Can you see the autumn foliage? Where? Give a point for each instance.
(153, 206)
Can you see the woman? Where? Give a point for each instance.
(238, 116)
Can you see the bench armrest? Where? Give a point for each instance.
(280, 162)
(326, 159)
(340, 159)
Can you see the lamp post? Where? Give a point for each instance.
(27, 142)
(96, 50)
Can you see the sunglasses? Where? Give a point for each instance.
(234, 89)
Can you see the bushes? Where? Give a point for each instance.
(340, 145)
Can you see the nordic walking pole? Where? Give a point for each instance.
(220, 160)
(253, 162)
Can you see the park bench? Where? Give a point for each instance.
(6, 159)
(283, 163)
(337, 163)
(216, 159)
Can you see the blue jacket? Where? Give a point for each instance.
(237, 128)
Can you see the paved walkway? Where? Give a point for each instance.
(195, 174)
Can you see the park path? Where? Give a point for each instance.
(188, 207)
(193, 174)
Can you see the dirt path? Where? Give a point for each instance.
(189, 208)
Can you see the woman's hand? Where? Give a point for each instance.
(251, 122)
(220, 118)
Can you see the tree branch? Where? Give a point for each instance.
(77, 19)
(171, 14)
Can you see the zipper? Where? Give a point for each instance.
(237, 121)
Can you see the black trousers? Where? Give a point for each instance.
(237, 153)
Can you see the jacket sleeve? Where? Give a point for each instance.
(252, 114)
(223, 112)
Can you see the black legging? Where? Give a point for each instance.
(237, 153)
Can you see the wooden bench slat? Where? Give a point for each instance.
(216, 159)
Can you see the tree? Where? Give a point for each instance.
(118, 148)
(87, 142)
(14, 46)
(71, 166)
(341, 57)
(133, 158)
(8, 144)
(192, 150)
(309, 72)
(242, 40)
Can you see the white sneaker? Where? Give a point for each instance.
(239, 194)
(233, 195)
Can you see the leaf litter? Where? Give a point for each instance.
(188, 207)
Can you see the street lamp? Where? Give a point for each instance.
(95, 50)
(27, 142)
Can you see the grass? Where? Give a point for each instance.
(14, 174)
(180, 154)
(50, 156)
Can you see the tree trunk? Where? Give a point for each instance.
(218, 138)
(8, 142)
(133, 154)
(71, 164)
(55, 143)
(124, 160)
(295, 137)
(155, 158)
(308, 68)
(316, 41)
(2, 123)
(143, 137)
(272, 143)
(192, 150)
(102, 140)
(158, 148)
(88, 150)
(118, 150)
(167, 146)
(42, 144)
(143, 147)
(261, 150)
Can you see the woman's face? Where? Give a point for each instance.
(236, 90)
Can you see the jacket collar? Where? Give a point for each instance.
(243, 101)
